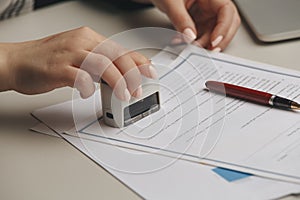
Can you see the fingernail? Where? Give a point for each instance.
(127, 95)
(152, 72)
(138, 93)
(217, 41)
(176, 41)
(190, 33)
(218, 49)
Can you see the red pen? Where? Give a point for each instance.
(252, 95)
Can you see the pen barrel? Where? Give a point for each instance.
(240, 92)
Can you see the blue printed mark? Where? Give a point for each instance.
(230, 175)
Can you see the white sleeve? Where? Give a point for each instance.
(11, 8)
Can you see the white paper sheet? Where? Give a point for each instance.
(183, 179)
(196, 125)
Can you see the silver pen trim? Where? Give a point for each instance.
(271, 100)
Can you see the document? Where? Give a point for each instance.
(182, 179)
(196, 125)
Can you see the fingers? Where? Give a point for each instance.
(108, 60)
(103, 58)
(99, 66)
(122, 74)
(204, 40)
(228, 21)
(115, 80)
(180, 18)
(132, 75)
(129, 64)
(74, 58)
(229, 36)
(80, 79)
(94, 64)
(144, 65)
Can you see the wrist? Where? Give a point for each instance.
(5, 71)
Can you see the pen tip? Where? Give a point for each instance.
(295, 106)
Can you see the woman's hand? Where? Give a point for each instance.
(213, 23)
(74, 58)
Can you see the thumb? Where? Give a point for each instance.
(181, 19)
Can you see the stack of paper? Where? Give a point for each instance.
(159, 157)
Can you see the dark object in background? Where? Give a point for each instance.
(122, 4)
(42, 3)
(127, 4)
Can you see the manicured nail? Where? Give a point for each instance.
(218, 49)
(127, 95)
(217, 41)
(176, 41)
(190, 33)
(153, 72)
(138, 93)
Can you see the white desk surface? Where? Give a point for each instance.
(35, 166)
